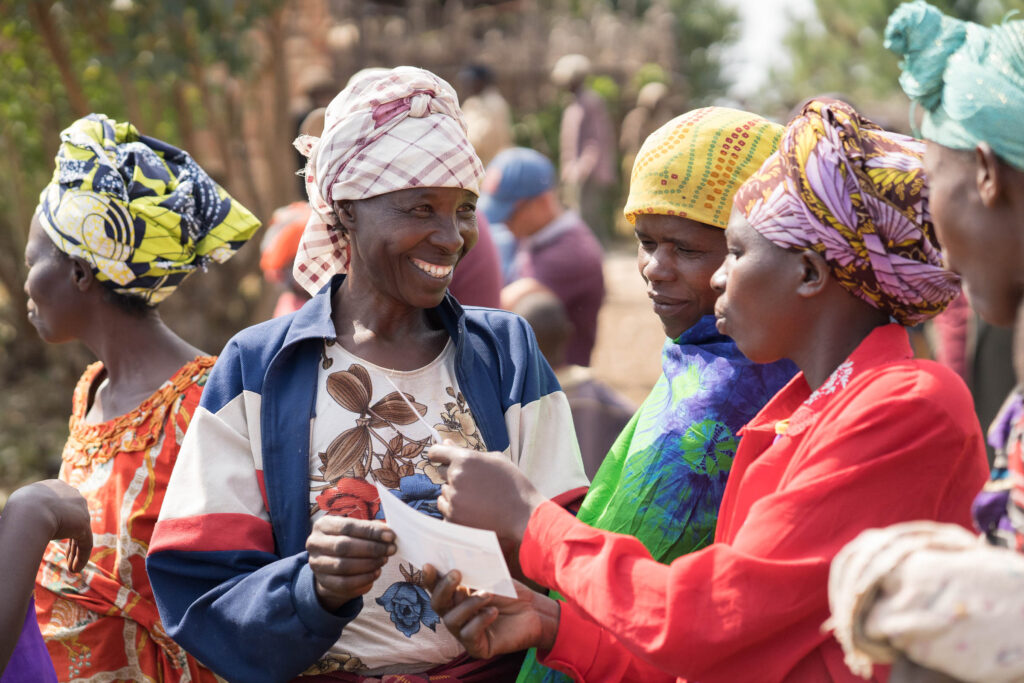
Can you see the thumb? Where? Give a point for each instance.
(444, 455)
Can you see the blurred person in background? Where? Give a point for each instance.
(488, 118)
(663, 479)
(125, 219)
(599, 413)
(269, 560)
(828, 243)
(278, 248)
(33, 516)
(587, 145)
(934, 599)
(554, 245)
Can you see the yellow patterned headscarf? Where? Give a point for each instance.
(693, 165)
(141, 212)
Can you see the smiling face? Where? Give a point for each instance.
(757, 286)
(54, 303)
(980, 242)
(405, 244)
(676, 257)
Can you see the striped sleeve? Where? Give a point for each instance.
(223, 591)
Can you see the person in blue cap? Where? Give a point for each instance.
(555, 246)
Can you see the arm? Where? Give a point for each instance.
(35, 515)
(223, 590)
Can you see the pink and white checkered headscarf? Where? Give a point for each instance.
(387, 130)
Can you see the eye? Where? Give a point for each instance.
(422, 210)
(467, 208)
(648, 245)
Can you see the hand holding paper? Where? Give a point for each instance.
(422, 540)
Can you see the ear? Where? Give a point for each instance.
(345, 210)
(82, 276)
(814, 274)
(989, 174)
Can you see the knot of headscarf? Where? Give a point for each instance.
(141, 212)
(855, 194)
(388, 130)
(969, 79)
(692, 165)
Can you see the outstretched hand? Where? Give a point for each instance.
(488, 625)
(485, 490)
(346, 556)
(63, 513)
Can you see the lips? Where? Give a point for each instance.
(666, 305)
(434, 270)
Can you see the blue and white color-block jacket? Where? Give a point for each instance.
(227, 561)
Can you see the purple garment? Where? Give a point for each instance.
(30, 662)
(599, 414)
(587, 141)
(566, 258)
(478, 277)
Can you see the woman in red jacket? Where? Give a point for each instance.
(830, 256)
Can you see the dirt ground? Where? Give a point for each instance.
(629, 336)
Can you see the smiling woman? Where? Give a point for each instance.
(306, 412)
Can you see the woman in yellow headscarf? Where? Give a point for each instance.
(125, 219)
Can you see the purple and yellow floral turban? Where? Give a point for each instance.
(855, 194)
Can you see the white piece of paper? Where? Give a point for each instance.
(422, 539)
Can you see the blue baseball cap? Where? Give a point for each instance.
(513, 175)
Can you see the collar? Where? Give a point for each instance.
(313, 320)
(550, 232)
(795, 407)
(704, 331)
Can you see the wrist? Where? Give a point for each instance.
(550, 612)
(522, 520)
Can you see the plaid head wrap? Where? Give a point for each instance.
(854, 193)
(141, 212)
(969, 79)
(692, 165)
(387, 130)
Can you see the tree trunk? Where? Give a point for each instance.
(40, 14)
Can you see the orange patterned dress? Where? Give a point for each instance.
(103, 624)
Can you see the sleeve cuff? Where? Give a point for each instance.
(548, 524)
(576, 644)
(312, 615)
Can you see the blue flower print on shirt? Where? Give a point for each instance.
(409, 605)
(419, 493)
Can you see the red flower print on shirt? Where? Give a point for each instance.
(353, 498)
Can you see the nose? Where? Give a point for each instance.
(448, 236)
(656, 266)
(719, 277)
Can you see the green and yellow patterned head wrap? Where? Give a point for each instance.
(969, 79)
(692, 166)
(141, 212)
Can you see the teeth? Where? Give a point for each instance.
(431, 269)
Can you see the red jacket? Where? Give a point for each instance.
(886, 439)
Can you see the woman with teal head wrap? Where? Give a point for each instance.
(931, 599)
(125, 219)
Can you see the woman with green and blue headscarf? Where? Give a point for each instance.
(124, 220)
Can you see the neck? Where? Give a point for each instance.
(831, 338)
(363, 313)
(139, 354)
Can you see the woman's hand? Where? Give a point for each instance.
(346, 555)
(487, 624)
(486, 491)
(59, 511)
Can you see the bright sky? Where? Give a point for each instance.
(763, 25)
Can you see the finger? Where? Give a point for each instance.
(347, 585)
(446, 454)
(345, 566)
(443, 505)
(429, 577)
(374, 530)
(346, 546)
(458, 616)
(475, 630)
(441, 595)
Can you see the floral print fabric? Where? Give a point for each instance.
(103, 624)
(854, 193)
(374, 424)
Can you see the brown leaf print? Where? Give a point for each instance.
(388, 478)
(350, 388)
(410, 450)
(407, 470)
(394, 409)
(348, 449)
(395, 444)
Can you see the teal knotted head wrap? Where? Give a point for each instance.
(969, 79)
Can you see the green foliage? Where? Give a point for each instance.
(841, 51)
